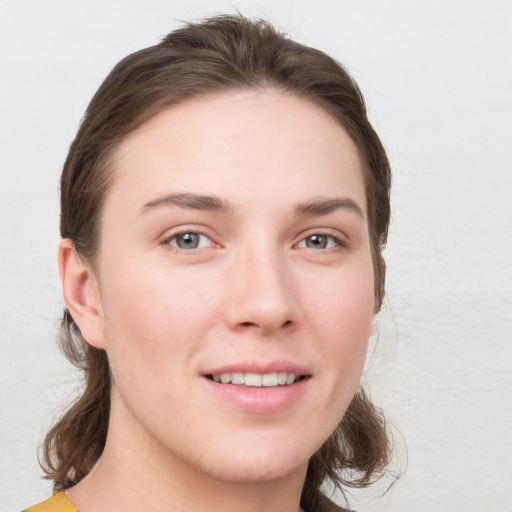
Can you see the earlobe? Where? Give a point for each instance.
(81, 294)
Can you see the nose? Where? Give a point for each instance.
(262, 293)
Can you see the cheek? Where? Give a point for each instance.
(157, 318)
(344, 303)
(342, 316)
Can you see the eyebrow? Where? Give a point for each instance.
(321, 206)
(191, 201)
(325, 206)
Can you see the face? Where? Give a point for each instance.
(235, 283)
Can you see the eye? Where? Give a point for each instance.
(189, 240)
(320, 241)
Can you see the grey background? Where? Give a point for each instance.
(437, 77)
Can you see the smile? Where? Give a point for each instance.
(259, 387)
(251, 379)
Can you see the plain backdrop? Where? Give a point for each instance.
(437, 77)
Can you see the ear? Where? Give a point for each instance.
(81, 294)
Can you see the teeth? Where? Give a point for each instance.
(237, 378)
(269, 379)
(252, 379)
(256, 379)
(290, 378)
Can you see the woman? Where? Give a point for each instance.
(224, 207)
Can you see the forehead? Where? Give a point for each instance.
(239, 145)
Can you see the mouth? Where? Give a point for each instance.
(257, 380)
(259, 388)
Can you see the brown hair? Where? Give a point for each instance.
(218, 54)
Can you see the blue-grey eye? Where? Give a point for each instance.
(190, 241)
(319, 241)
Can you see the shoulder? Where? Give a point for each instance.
(330, 506)
(57, 503)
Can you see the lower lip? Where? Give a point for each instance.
(259, 400)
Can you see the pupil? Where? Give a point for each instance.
(188, 241)
(317, 242)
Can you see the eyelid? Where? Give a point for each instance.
(181, 230)
(340, 238)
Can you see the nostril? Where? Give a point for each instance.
(255, 324)
(249, 324)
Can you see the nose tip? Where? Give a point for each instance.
(265, 322)
(261, 297)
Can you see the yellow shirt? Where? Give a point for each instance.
(57, 503)
(60, 503)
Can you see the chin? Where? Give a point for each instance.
(259, 474)
(260, 466)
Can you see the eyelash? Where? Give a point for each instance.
(332, 242)
(168, 241)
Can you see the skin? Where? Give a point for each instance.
(256, 290)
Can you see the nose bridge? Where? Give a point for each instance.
(262, 289)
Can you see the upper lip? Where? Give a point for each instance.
(259, 367)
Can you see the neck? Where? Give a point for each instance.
(137, 473)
